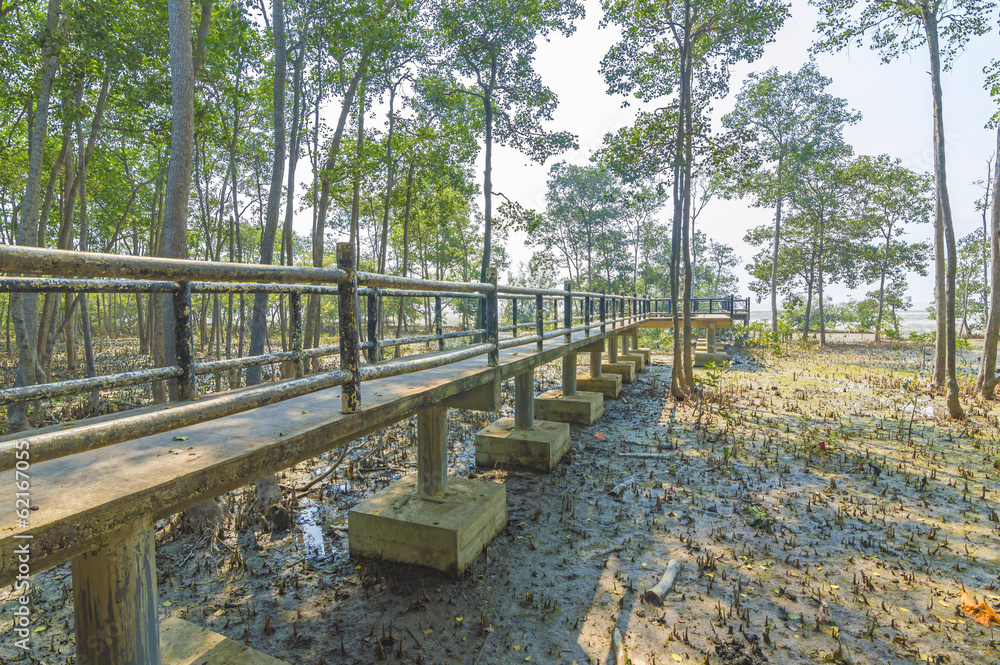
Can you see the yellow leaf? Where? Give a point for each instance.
(40, 629)
(517, 647)
(903, 609)
(458, 619)
(167, 603)
(527, 658)
(428, 631)
(676, 657)
(643, 565)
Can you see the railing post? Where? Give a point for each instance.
(568, 310)
(184, 342)
(540, 321)
(295, 326)
(586, 315)
(438, 326)
(603, 311)
(493, 320)
(513, 309)
(350, 342)
(372, 325)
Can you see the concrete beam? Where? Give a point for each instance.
(486, 397)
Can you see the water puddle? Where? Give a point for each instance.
(311, 535)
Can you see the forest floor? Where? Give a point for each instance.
(815, 480)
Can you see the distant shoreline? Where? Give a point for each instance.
(915, 319)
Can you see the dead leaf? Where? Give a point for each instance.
(982, 612)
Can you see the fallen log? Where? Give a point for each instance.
(659, 592)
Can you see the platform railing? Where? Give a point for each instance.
(730, 305)
(57, 271)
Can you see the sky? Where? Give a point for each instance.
(894, 99)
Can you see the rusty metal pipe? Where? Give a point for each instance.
(69, 285)
(63, 388)
(410, 365)
(58, 262)
(416, 284)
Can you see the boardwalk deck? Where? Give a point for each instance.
(88, 495)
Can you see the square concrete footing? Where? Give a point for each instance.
(446, 533)
(623, 369)
(647, 353)
(609, 385)
(701, 358)
(637, 358)
(583, 408)
(183, 643)
(540, 447)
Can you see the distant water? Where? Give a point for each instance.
(914, 319)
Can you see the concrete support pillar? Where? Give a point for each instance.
(569, 374)
(432, 451)
(595, 364)
(710, 338)
(114, 600)
(524, 400)
(612, 350)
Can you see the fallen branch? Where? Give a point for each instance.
(618, 647)
(659, 592)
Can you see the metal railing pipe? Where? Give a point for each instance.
(40, 261)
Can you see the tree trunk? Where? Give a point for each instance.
(987, 380)
(678, 382)
(688, 165)
(487, 187)
(777, 244)
(358, 154)
(938, 379)
(268, 492)
(809, 297)
(881, 285)
(390, 172)
(406, 248)
(293, 155)
(24, 307)
(174, 240)
(258, 323)
(940, 171)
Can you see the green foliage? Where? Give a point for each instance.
(895, 27)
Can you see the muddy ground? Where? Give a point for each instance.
(815, 480)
